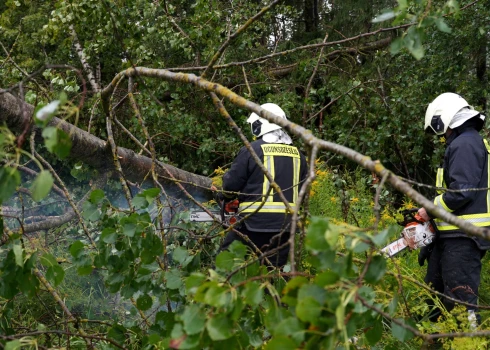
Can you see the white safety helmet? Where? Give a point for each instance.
(440, 113)
(261, 126)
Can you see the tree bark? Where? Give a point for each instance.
(311, 15)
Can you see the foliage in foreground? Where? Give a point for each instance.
(130, 290)
(121, 282)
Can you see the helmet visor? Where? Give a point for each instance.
(256, 127)
(436, 126)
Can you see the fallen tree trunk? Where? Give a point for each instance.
(93, 151)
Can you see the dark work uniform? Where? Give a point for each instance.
(288, 168)
(455, 264)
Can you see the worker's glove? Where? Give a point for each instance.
(425, 253)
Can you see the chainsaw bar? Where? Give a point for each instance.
(395, 247)
(202, 216)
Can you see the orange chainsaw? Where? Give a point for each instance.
(416, 234)
(227, 215)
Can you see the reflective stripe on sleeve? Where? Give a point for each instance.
(439, 202)
(440, 180)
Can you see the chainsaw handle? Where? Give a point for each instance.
(410, 216)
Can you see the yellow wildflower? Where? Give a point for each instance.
(408, 205)
(386, 216)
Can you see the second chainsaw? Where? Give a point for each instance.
(417, 233)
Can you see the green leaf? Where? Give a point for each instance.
(91, 212)
(393, 305)
(332, 234)
(19, 256)
(48, 260)
(219, 327)
(291, 327)
(85, 270)
(281, 343)
(225, 260)
(381, 239)
(217, 296)
(396, 46)
(308, 310)
(376, 269)
(413, 42)
(109, 235)
(10, 179)
(55, 274)
(76, 249)
(57, 141)
(140, 202)
(315, 237)
(118, 333)
(238, 249)
(150, 194)
(42, 185)
(180, 340)
(374, 334)
(144, 199)
(442, 25)
(194, 281)
(13, 345)
(400, 332)
(326, 278)
(144, 302)
(360, 246)
(194, 319)
(174, 279)
(96, 196)
(182, 256)
(253, 293)
(312, 290)
(129, 229)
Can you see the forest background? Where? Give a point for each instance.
(118, 116)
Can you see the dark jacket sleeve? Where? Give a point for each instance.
(235, 178)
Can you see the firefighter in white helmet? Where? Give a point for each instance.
(269, 222)
(454, 260)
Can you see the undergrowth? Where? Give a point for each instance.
(354, 198)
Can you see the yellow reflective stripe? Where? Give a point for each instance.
(440, 180)
(280, 150)
(487, 146)
(272, 171)
(268, 207)
(488, 173)
(479, 220)
(438, 201)
(269, 165)
(295, 189)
